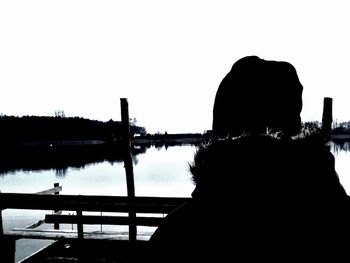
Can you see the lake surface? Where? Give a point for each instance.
(160, 171)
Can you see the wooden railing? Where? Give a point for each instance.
(81, 203)
(146, 211)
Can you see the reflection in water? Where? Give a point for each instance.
(28, 157)
(61, 172)
(341, 150)
(61, 157)
(160, 172)
(340, 145)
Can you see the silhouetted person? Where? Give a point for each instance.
(258, 197)
(267, 196)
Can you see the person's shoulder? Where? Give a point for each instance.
(174, 223)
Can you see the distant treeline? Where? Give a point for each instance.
(338, 128)
(341, 127)
(42, 128)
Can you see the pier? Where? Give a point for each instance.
(68, 241)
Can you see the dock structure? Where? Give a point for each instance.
(67, 242)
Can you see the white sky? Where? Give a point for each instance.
(166, 57)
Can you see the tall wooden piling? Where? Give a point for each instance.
(126, 145)
(327, 118)
(80, 227)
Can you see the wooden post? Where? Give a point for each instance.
(7, 244)
(80, 227)
(126, 145)
(1, 224)
(56, 225)
(327, 119)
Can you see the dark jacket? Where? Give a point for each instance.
(258, 198)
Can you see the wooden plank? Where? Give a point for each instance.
(90, 251)
(36, 224)
(90, 203)
(103, 220)
(50, 191)
(41, 234)
(17, 233)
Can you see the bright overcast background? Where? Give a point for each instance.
(166, 57)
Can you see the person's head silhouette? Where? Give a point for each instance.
(258, 95)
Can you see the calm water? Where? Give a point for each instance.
(342, 163)
(158, 172)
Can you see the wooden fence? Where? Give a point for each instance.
(141, 209)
